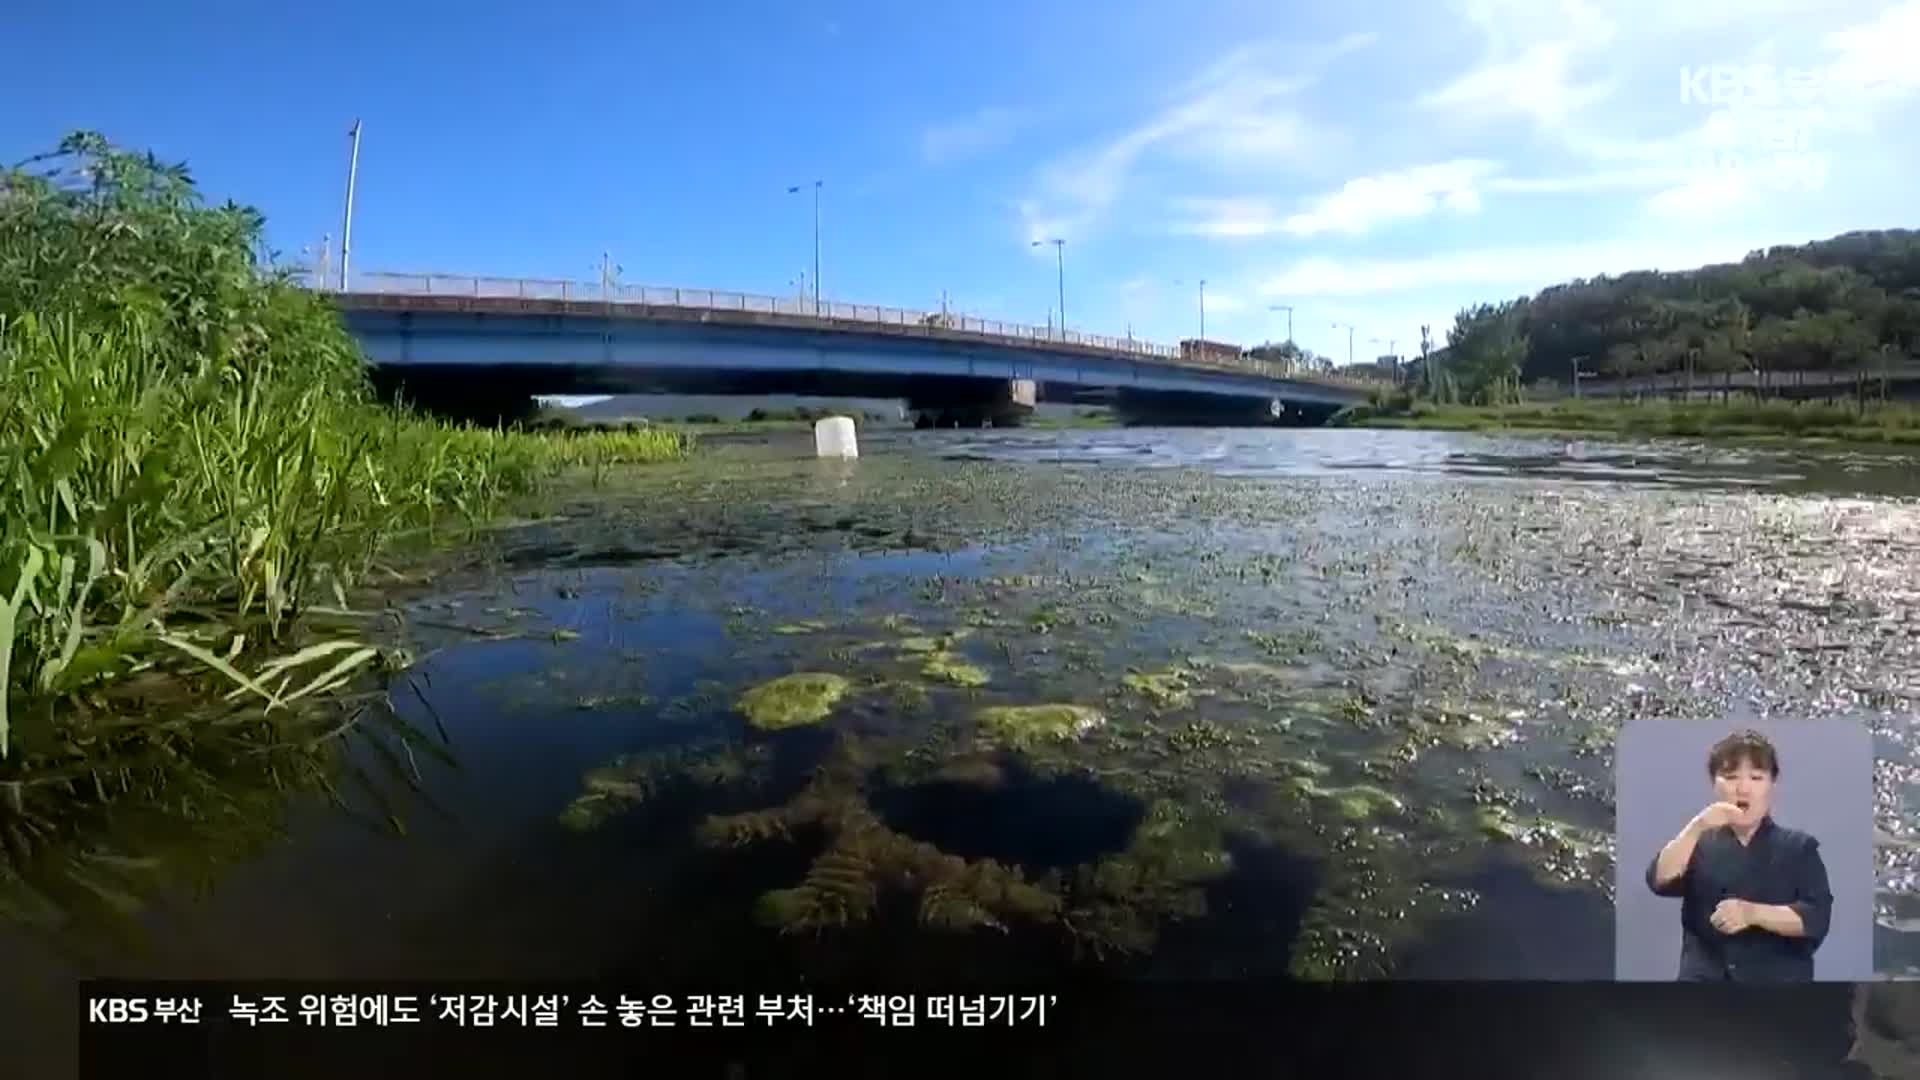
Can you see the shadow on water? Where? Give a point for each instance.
(1518, 930)
(1253, 918)
(1022, 819)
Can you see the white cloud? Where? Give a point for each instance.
(1528, 71)
(1538, 84)
(1707, 195)
(1875, 61)
(1235, 111)
(1225, 217)
(1225, 303)
(1523, 269)
(1368, 201)
(970, 135)
(1359, 206)
(1599, 180)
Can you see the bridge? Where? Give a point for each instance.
(483, 347)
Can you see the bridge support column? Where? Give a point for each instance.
(462, 399)
(1160, 408)
(975, 403)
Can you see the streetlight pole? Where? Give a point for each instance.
(346, 226)
(1390, 343)
(795, 190)
(1288, 308)
(1203, 309)
(1348, 327)
(1060, 271)
(609, 274)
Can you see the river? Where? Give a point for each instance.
(1344, 704)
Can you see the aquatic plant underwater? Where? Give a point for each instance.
(1404, 688)
(1261, 742)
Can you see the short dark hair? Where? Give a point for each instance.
(1743, 747)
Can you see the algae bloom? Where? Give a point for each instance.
(1024, 725)
(1166, 689)
(949, 667)
(792, 700)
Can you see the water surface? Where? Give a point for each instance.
(1354, 695)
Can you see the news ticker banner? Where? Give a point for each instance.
(1562, 1026)
(556, 1008)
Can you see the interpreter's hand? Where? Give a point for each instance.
(1720, 813)
(1732, 916)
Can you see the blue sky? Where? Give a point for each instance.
(1374, 164)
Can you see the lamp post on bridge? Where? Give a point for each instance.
(1203, 304)
(316, 257)
(795, 190)
(1390, 343)
(1348, 327)
(1288, 308)
(346, 225)
(1060, 272)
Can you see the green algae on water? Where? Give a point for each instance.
(1020, 726)
(793, 700)
(948, 667)
(1169, 689)
(632, 780)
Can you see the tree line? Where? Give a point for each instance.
(1849, 304)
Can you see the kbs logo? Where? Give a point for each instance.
(118, 1011)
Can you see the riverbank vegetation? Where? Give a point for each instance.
(1849, 305)
(191, 460)
(1837, 320)
(1891, 423)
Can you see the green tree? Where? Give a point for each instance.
(1486, 352)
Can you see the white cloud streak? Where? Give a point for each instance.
(985, 130)
(1522, 268)
(1236, 110)
(1367, 202)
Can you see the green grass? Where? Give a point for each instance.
(1892, 423)
(190, 457)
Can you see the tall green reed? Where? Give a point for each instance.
(190, 453)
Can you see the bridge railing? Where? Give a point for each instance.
(469, 285)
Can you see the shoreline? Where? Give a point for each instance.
(1896, 425)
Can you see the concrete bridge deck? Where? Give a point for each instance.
(440, 335)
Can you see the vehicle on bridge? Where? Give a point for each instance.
(1202, 351)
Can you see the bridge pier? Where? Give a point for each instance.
(975, 403)
(1162, 408)
(459, 398)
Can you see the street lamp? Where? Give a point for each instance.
(316, 264)
(795, 190)
(1060, 270)
(346, 224)
(1288, 308)
(1389, 343)
(1203, 304)
(610, 272)
(1348, 327)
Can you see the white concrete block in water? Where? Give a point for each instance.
(833, 437)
